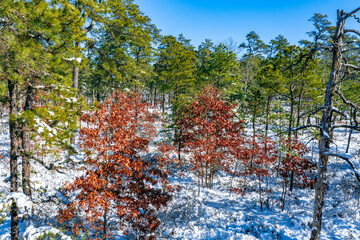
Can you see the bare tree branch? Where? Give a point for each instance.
(350, 49)
(50, 167)
(348, 77)
(307, 56)
(351, 66)
(347, 158)
(90, 27)
(301, 127)
(352, 31)
(313, 112)
(351, 13)
(347, 102)
(340, 113)
(354, 127)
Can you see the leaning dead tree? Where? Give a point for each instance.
(339, 69)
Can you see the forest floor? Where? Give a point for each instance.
(202, 213)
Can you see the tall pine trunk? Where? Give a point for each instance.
(75, 84)
(14, 212)
(267, 120)
(291, 123)
(26, 154)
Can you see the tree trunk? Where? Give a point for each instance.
(155, 97)
(14, 212)
(163, 102)
(326, 122)
(291, 117)
(76, 71)
(105, 223)
(298, 110)
(75, 84)
(291, 181)
(268, 104)
(291, 120)
(26, 155)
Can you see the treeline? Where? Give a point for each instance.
(60, 58)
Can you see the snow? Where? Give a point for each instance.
(337, 110)
(344, 155)
(74, 59)
(325, 134)
(34, 233)
(41, 125)
(198, 213)
(22, 201)
(71, 99)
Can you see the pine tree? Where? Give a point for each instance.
(175, 67)
(123, 52)
(217, 66)
(32, 60)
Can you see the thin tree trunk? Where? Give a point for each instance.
(349, 140)
(105, 223)
(298, 110)
(26, 155)
(291, 181)
(163, 102)
(292, 103)
(260, 195)
(350, 133)
(75, 84)
(14, 212)
(291, 117)
(155, 97)
(267, 116)
(324, 143)
(76, 71)
(319, 198)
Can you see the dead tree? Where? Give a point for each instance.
(327, 124)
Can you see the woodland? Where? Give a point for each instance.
(111, 130)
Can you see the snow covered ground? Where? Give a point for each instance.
(206, 213)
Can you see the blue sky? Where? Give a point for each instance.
(220, 20)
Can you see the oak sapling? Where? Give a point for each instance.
(122, 189)
(211, 134)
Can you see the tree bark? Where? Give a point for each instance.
(291, 123)
(326, 122)
(75, 84)
(26, 155)
(14, 212)
(268, 104)
(291, 117)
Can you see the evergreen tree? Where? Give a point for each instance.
(175, 67)
(203, 56)
(249, 65)
(36, 36)
(123, 52)
(223, 69)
